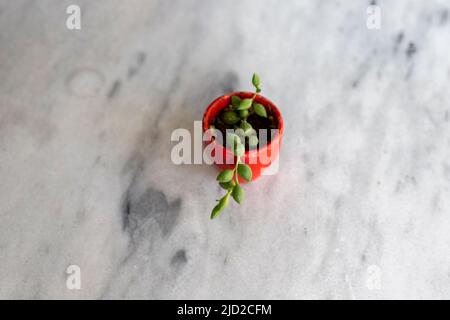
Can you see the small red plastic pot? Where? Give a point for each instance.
(258, 159)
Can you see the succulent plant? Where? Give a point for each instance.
(236, 115)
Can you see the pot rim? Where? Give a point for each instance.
(261, 99)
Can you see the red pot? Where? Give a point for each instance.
(258, 159)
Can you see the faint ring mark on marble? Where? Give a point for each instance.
(373, 281)
(85, 82)
(73, 281)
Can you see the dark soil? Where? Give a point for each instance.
(256, 121)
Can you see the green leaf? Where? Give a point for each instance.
(256, 81)
(245, 104)
(243, 114)
(235, 101)
(260, 110)
(238, 194)
(225, 176)
(227, 185)
(258, 90)
(239, 150)
(246, 127)
(252, 141)
(220, 206)
(244, 171)
(230, 117)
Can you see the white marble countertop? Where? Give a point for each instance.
(359, 209)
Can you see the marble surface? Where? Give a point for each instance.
(360, 208)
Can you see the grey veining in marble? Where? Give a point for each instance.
(360, 208)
